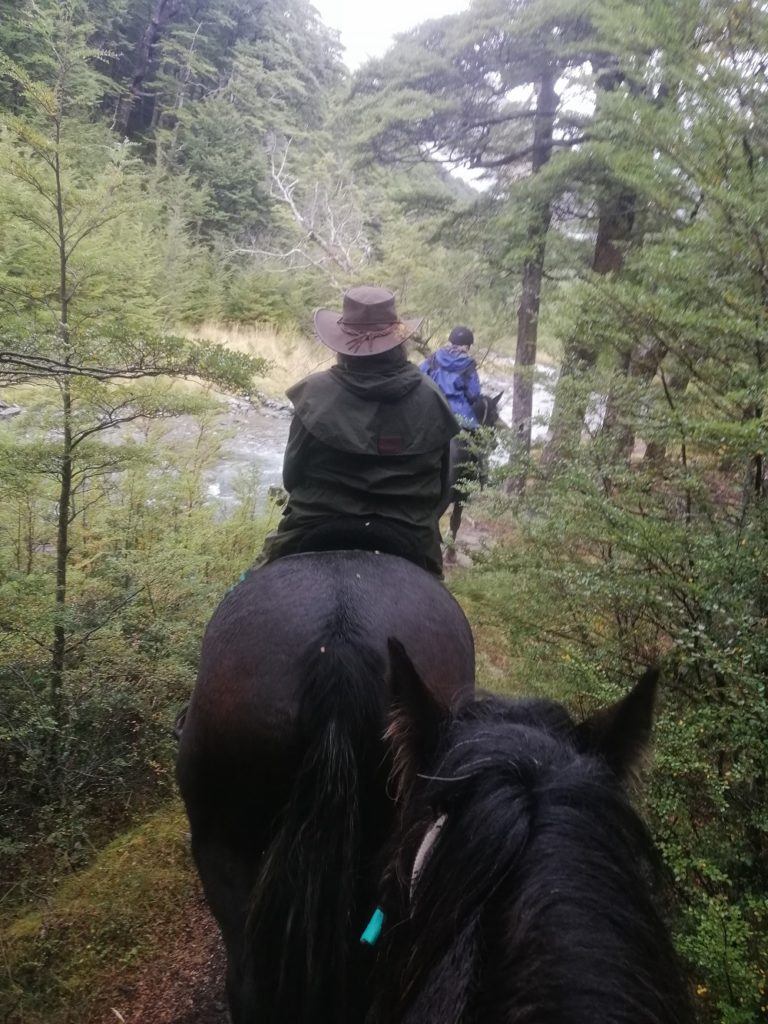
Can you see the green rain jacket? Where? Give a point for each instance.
(367, 442)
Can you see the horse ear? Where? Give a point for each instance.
(416, 719)
(620, 733)
(497, 398)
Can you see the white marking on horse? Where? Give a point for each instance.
(424, 850)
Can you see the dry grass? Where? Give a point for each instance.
(291, 356)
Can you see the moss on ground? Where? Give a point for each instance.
(495, 668)
(60, 961)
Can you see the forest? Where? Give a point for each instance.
(181, 183)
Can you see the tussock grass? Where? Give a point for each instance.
(291, 355)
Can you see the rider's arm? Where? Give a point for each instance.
(296, 454)
(472, 383)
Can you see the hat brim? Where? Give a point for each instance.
(330, 332)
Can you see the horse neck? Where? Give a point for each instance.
(483, 410)
(554, 901)
(574, 939)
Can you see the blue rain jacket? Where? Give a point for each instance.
(453, 369)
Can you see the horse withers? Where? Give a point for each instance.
(283, 768)
(469, 457)
(518, 888)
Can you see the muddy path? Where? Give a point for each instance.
(184, 986)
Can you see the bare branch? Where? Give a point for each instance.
(328, 219)
(15, 367)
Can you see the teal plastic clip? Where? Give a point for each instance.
(372, 932)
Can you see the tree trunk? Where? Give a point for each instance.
(753, 487)
(571, 400)
(162, 13)
(616, 220)
(677, 382)
(30, 536)
(613, 400)
(639, 364)
(59, 647)
(528, 310)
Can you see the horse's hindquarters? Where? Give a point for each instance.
(247, 735)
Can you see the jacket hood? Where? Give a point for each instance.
(358, 412)
(453, 359)
(388, 385)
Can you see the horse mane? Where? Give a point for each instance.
(534, 905)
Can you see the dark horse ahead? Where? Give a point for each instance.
(283, 768)
(468, 459)
(518, 885)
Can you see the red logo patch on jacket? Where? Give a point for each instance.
(391, 445)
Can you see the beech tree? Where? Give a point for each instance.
(128, 114)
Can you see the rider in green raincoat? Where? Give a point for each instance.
(368, 449)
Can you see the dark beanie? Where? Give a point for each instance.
(461, 336)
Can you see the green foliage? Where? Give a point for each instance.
(643, 533)
(459, 87)
(597, 583)
(258, 296)
(149, 557)
(220, 155)
(185, 126)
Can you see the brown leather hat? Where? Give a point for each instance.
(367, 325)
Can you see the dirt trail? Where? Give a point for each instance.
(475, 535)
(185, 986)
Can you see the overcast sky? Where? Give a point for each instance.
(367, 27)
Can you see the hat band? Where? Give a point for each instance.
(359, 335)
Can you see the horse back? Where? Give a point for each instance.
(249, 686)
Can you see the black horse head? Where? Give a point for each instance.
(486, 409)
(530, 899)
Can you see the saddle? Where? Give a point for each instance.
(352, 533)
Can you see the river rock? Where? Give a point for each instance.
(6, 410)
